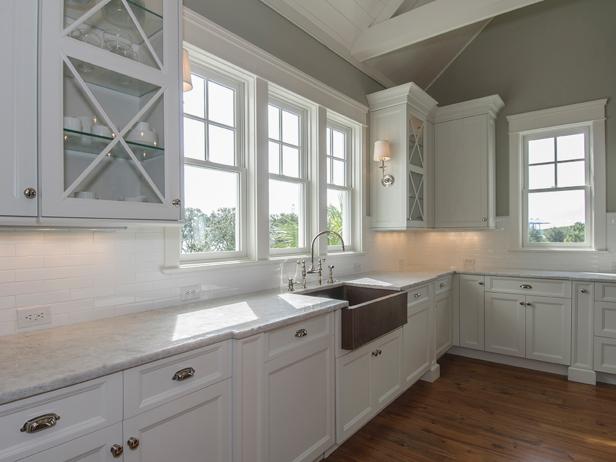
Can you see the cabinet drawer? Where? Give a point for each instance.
(605, 292)
(153, 384)
(529, 286)
(605, 355)
(80, 409)
(296, 335)
(605, 319)
(417, 296)
(442, 285)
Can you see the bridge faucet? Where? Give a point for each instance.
(312, 269)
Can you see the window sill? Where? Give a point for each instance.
(559, 251)
(188, 267)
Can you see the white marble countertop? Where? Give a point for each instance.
(546, 274)
(41, 361)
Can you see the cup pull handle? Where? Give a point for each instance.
(184, 374)
(301, 333)
(40, 423)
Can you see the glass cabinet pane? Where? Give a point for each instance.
(132, 29)
(416, 174)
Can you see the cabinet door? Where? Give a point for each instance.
(95, 447)
(472, 311)
(443, 312)
(461, 158)
(353, 403)
(505, 324)
(385, 373)
(548, 329)
(299, 403)
(416, 341)
(18, 114)
(196, 427)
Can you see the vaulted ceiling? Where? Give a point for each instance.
(396, 41)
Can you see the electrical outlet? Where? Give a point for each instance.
(30, 317)
(188, 293)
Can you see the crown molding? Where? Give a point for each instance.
(409, 93)
(490, 105)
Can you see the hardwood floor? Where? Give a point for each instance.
(479, 411)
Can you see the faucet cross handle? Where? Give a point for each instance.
(330, 279)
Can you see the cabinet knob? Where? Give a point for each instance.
(522, 304)
(30, 193)
(116, 450)
(184, 374)
(301, 333)
(481, 283)
(40, 423)
(132, 443)
(583, 291)
(176, 202)
(484, 219)
(417, 295)
(375, 353)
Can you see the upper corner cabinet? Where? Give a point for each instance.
(401, 116)
(110, 89)
(464, 156)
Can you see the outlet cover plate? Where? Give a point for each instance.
(188, 293)
(33, 316)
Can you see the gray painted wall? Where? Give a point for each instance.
(555, 53)
(256, 22)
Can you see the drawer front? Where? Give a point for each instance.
(529, 286)
(442, 285)
(153, 384)
(605, 319)
(605, 355)
(417, 296)
(78, 410)
(605, 292)
(296, 335)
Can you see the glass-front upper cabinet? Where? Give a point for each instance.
(110, 82)
(416, 172)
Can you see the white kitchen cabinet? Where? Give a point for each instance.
(417, 336)
(464, 156)
(194, 427)
(472, 311)
(505, 324)
(582, 333)
(18, 115)
(368, 379)
(402, 116)
(110, 89)
(443, 315)
(99, 446)
(298, 392)
(548, 329)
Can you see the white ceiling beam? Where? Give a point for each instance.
(390, 7)
(427, 21)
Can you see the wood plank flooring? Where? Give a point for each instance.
(479, 411)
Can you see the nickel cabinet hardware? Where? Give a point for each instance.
(30, 193)
(377, 352)
(184, 374)
(417, 295)
(583, 291)
(116, 451)
(176, 202)
(40, 423)
(132, 443)
(300, 333)
(526, 286)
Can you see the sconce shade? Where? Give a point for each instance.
(186, 76)
(382, 150)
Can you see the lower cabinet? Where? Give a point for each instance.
(416, 336)
(99, 446)
(194, 427)
(367, 380)
(505, 324)
(472, 311)
(443, 313)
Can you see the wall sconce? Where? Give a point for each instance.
(382, 153)
(186, 75)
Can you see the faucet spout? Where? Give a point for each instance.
(316, 238)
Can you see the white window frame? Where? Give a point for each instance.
(349, 182)
(283, 102)
(588, 117)
(239, 86)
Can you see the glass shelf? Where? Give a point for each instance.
(88, 143)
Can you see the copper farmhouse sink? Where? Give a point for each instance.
(370, 314)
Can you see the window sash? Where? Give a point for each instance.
(587, 187)
(347, 230)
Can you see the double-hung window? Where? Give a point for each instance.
(214, 167)
(339, 183)
(288, 177)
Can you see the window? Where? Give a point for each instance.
(558, 177)
(558, 197)
(288, 180)
(339, 183)
(213, 167)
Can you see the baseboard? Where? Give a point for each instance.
(582, 376)
(510, 360)
(433, 374)
(606, 378)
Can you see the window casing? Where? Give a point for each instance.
(214, 167)
(339, 158)
(288, 161)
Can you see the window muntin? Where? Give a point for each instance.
(213, 167)
(339, 183)
(287, 155)
(558, 189)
